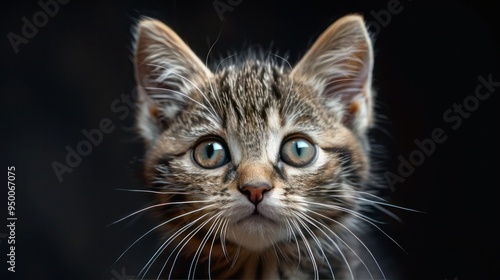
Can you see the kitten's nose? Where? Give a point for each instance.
(255, 191)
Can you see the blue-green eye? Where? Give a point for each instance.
(297, 152)
(210, 154)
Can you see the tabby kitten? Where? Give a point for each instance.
(260, 169)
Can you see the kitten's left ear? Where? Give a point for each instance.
(339, 66)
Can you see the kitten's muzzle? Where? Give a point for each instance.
(255, 191)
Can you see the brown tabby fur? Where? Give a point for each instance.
(307, 225)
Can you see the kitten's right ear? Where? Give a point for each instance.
(167, 72)
(339, 65)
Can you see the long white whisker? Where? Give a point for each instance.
(387, 212)
(347, 210)
(357, 238)
(154, 206)
(150, 191)
(165, 244)
(223, 233)
(299, 218)
(308, 249)
(236, 255)
(338, 190)
(196, 257)
(158, 226)
(360, 216)
(221, 226)
(296, 242)
(379, 202)
(189, 237)
(315, 223)
(276, 253)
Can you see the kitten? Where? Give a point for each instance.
(260, 170)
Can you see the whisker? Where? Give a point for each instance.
(357, 238)
(387, 212)
(236, 255)
(165, 244)
(315, 189)
(224, 221)
(158, 226)
(149, 191)
(374, 203)
(275, 252)
(308, 248)
(296, 242)
(154, 206)
(362, 217)
(315, 238)
(347, 210)
(189, 237)
(196, 257)
(223, 233)
(383, 203)
(315, 223)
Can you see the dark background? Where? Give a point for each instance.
(68, 75)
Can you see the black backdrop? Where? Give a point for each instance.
(69, 73)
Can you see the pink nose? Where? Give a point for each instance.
(255, 192)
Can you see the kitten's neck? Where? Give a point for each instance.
(248, 264)
(282, 261)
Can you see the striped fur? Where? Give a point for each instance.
(306, 226)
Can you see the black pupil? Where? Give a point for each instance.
(210, 150)
(299, 149)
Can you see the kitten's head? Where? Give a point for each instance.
(258, 148)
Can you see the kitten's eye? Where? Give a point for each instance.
(297, 152)
(210, 154)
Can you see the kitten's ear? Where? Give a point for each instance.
(167, 73)
(339, 66)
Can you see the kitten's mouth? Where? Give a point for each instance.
(256, 216)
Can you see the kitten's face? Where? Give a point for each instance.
(255, 150)
(258, 153)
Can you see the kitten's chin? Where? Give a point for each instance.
(256, 233)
